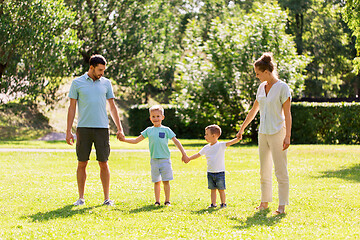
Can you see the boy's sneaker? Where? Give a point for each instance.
(79, 202)
(223, 205)
(157, 204)
(167, 204)
(109, 202)
(212, 206)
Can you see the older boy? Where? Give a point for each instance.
(159, 151)
(215, 155)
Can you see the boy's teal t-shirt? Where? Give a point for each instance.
(158, 141)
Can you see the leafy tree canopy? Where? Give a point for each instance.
(35, 41)
(352, 17)
(215, 76)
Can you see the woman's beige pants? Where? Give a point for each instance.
(270, 150)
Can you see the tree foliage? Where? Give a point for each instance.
(352, 17)
(216, 77)
(320, 32)
(43, 40)
(35, 42)
(140, 38)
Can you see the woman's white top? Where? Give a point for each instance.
(272, 118)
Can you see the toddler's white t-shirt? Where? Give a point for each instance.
(215, 156)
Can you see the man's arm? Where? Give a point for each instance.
(115, 116)
(70, 121)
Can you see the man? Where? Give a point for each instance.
(90, 92)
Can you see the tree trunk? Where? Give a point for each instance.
(2, 70)
(299, 21)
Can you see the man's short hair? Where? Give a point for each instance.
(156, 107)
(214, 129)
(97, 59)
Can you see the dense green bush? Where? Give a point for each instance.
(327, 123)
(324, 123)
(184, 128)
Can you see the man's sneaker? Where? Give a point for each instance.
(223, 205)
(109, 202)
(79, 202)
(212, 206)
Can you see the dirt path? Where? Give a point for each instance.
(70, 150)
(53, 136)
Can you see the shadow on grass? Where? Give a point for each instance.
(64, 212)
(259, 218)
(347, 173)
(147, 208)
(206, 210)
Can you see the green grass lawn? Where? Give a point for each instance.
(38, 189)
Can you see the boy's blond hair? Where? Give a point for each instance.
(156, 107)
(214, 129)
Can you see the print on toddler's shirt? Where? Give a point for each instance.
(161, 135)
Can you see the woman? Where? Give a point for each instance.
(273, 99)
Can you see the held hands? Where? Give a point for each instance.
(239, 134)
(120, 135)
(185, 158)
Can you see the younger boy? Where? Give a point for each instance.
(215, 155)
(159, 151)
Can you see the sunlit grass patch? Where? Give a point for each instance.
(38, 190)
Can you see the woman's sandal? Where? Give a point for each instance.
(276, 213)
(261, 208)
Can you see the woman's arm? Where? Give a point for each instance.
(288, 122)
(251, 115)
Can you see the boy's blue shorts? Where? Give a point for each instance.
(216, 180)
(161, 170)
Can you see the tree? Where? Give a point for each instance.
(35, 43)
(216, 77)
(139, 38)
(320, 32)
(295, 21)
(352, 17)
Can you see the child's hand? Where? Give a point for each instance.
(185, 158)
(120, 136)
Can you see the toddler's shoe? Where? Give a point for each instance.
(223, 205)
(212, 206)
